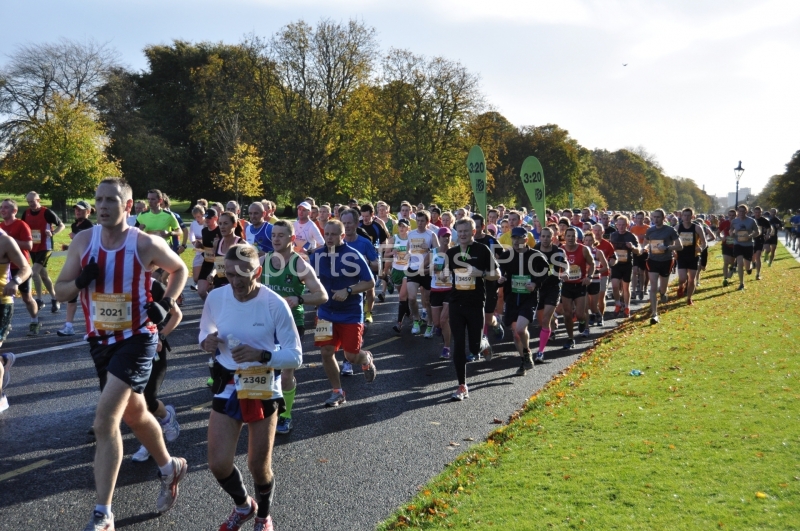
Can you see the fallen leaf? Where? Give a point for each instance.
(469, 439)
(497, 421)
(761, 495)
(567, 476)
(322, 460)
(453, 443)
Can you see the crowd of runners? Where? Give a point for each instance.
(461, 279)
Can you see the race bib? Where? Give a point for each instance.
(654, 246)
(622, 255)
(208, 254)
(418, 246)
(743, 235)
(219, 266)
(574, 272)
(401, 255)
(36, 236)
(254, 382)
(518, 283)
(730, 240)
(464, 281)
(323, 331)
(111, 311)
(687, 238)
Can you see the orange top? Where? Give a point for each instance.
(639, 231)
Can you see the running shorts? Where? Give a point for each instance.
(440, 298)
(688, 262)
(572, 290)
(345, 336)
(662, 267)
(526, 310)
(130, 360)
(41, 257)
(745, 251)
(622, 271)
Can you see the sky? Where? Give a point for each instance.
(707, 83)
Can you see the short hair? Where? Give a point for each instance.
(257, 204)
(493, 210)
(165, 200)
(548, 229)
(424, 213)
(367, 207)
(244, 252)
(157, 192)
(641, 213)
(744, 206)
(234, 202)
(325, 207)
(571, 229)
(341, 209)
(269, 204)
(285, 224)
(622, 217)
(465, 221)
(352, 211)
(11, 202)
(198, 209)
(202, 202)
(405, 203)
(478, 217)
(126, 192)
(337, 223)
(310, 201)
(690, 210)
(436, 210)
(758, 207)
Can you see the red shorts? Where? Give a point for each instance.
(346, 337)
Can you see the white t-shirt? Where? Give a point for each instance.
(419, 245)
(256, 323)
(196, 234)
(308, 233)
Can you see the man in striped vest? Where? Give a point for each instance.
(109, 267)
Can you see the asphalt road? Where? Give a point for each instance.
(346, 468)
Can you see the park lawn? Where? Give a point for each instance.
(706, 438)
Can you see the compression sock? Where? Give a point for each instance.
(544, 337)
(264, 495)
(234, 486)
(288, 398)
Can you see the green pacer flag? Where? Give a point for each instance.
(533, 180)
(476, 165)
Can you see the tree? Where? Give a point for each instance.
(243, 173)
(786, 190)
(623, 180)
(62, 157)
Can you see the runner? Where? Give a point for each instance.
(550, 289)
(307, 235)
(772, 242)
(345, 275)
(259, 231)
(728, 241)
(44, 225)
(662, 241)
(441, 288)
(470, 263)
(397, 260)
(288, 275)
(109, 267)
(596, 292)
(405, 213)
(760, 242)
(626, 246)
(494, 296)
(377, 233)
(639, 273)
(228, 223)
(421, 241)
(21, 233)
(608, 250)
(575, 280)
(196, 239)
(794, 234)
(710, 237)
(82, 211)
(693, 241)
(251, 332)
(209, 236)
(10, 255)
(745, 230)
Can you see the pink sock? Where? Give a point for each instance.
(544, 337)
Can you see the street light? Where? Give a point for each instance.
(738, 171)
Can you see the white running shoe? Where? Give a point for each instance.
(8, 361)
(141, 455)
(172, 429)
(68, 330)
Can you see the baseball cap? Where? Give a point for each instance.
(443, 231)
(518, 231)
(403, 221)
(211, 213)
(83, 205)
(305, 205)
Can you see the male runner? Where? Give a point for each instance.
(608, 251)
(772, 242)
(377, 234)
(288, 275)
(745, 230)
(10, 254)
(21, 233)
(157, 221)
(693, 241)
(728, 241)
(405, 213)
(82, 210)
(441, 287)
(251, 332)
(493, 298)
(760, 242)
(662, 241)
(574, 282)
(44, 225)
(109, 266)
(550, 289)
(626, 246)
(595, 294)
(794, 234)
(421, 240)
(639, 272)
(259, 231)
(345, 275)
(307, 235)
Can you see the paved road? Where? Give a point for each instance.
(340, 469)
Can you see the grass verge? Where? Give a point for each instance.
(706, 438)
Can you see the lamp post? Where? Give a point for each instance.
(738, 171)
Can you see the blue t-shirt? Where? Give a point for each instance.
(344, 268)
(175, 240)
(795, 220)
(365, 247)
(261, 239)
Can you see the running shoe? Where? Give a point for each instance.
(68, 330)
(581, 326)
(398, 328)
(599, 319)
(585, 332)
(758, 276)
(486, 348)
(626, 312)
(740, 288)
(521, 370)
(193, 287)
(55, 306)
(617, 310)
(527, 361)
(141, 455)
(750, 271)
(100, 522)
(445, 355)
(690, 303)
(336, 399)
(8, 361)
(381, 297)
(654, 320)
(172, 429)
(390, 287)
(665, 298)
(641, 294)
(39, 304)
(284, 426)
(461, 393)
(473, 358)
(369, 368)
(569, 345)
(428, 332)
(263, 524)
(34, 329)
(539, 357)
(499, 332)
(236, 519)
(591, 319)
(3, 402)
(347, 369)
(169, 485)
(415, 328)
(368, 317)
(681, 291)
(437, 331)
(724, 282)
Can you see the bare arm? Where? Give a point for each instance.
(154, 252)
(15, 256)
(316, 295)
(66, 290)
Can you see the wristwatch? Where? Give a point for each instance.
(300, 300)
(349, 290)
(266, 356)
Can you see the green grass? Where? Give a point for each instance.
(707, 438)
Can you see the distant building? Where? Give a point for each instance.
(743, 193)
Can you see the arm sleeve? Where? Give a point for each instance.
(315, 235)
(208, 322)
(290, 353)
(51, 217)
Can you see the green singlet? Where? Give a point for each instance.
(285, 283)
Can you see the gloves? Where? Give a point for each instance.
(89, 273)
(157, 311)
(157, 290)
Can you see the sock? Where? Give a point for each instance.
(288, 398)
(105, 509)
(234, 487)
(68, 324)
(544, 337)
(338, 391)
(167, 469)
(264, 495)
(165, 420)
